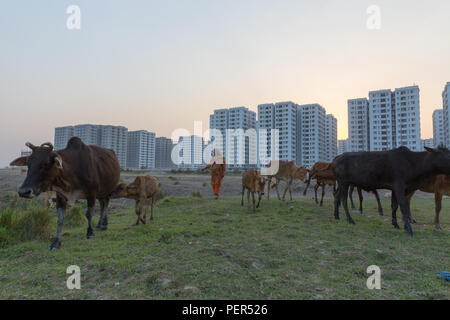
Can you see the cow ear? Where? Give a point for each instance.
(429, 149)
(58, 160)
(19, 162)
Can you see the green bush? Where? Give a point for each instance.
(74, 217)
(31, 223)
(196, 194)
(160, 194)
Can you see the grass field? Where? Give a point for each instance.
(207, 249)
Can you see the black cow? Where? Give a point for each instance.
(399, 170)
(77, 172)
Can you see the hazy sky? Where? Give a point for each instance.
(160, 65)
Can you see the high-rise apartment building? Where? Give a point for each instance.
(239, 141)
(330, 137)
(358, 125)
(109, 137)
(62, 135)
(343, 146)
(389, 119)
(281, 116)
(163, 152)
(311, 137)
(141, 150)
(381, 120)
(446, 108)
(407, 118)
(438, 128)
(115, 138)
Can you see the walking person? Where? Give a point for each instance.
(217, 166)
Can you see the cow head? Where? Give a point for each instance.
(301, 174)
(131, 190)
(43, 165)
(260, 185)
(440, 159)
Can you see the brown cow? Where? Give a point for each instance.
(322, 181)
(144, 190)
(318, 166)
(440, 186)
(288, 172)
(77, 172)
(253, 182)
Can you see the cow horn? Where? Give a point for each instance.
(30, 145)
(47, 144)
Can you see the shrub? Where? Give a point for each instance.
(196, 194)
(74, 216)
(160, 194)
(31, 223)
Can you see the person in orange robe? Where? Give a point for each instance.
(217, 167)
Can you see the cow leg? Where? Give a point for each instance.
(307, 185)
(253, 200)
(344, 194)
(290, 190)
(285, 190)
(103, 221)
(408, 200)
(402, 201)
(360, 195)
(152, 208)
(350, 193)
(316, 187)
(323, 194)
(242, 200)
(61, 209)
(337, 202)
(89, 213)
(380, 207)
(438, 207)
(276, 188)
(145, 209)
(259, 200)
(248, 198)
(394, 206)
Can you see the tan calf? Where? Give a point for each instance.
(143, 189)
(252, 182)
(288, 172)
(440, 186)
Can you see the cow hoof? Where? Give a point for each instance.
(413, 221)
(351, 222)
(101, 228)
(336, 217)
(360, 212)
(89, 236)
(396, 226)
(409, 230)
(55, 244)
(438, 228)
(381, 214)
